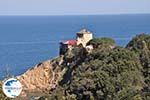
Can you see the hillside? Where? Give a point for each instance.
(108, 72)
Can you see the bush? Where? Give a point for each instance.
(141, 45)
(97, 42)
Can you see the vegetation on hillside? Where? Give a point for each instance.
(109, 72)
(141, 45)
(99, 42)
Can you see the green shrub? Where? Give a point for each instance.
(97, 42)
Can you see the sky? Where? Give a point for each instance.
(73, 7)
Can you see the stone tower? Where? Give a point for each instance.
(83, 37)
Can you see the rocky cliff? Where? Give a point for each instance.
(41, 78)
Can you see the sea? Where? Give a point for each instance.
(28, 40)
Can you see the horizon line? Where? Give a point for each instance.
(81, 14)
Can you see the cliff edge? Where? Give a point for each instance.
(41, 78)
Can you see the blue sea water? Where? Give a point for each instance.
(28, 40)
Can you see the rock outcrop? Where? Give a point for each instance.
(41, 78)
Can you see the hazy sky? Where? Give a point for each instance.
(71, 7)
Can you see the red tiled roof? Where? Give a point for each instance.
(70, 42)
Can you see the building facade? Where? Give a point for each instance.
(82, 38)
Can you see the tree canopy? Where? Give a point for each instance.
(108, 73)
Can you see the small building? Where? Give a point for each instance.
(67, 45)
(82, 38)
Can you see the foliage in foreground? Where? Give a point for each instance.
(107, 73)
